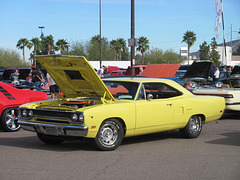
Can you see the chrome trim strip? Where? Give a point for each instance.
(60, 130)
(236, 103)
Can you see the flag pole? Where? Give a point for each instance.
(224, 42)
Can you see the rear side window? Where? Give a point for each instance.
(161, 90)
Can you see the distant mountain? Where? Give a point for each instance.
(234, 43)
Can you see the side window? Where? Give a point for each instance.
(141, 95)
(161, 90)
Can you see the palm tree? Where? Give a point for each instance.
(50, 43)
(189, 38)
(21, 44)
(62, 44)
(120, 47)
(113, 45)
(34, 42)
(143, 46)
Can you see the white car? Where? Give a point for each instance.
(231, 95)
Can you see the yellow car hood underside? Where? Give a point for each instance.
(75, 76)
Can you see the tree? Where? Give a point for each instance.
(158, 56)
(143, 46)
(35, 42)
(78, 48)
(9, 58)
(50, 44)
(21, 44)
(121, 47)
(214, 55)
(204, 51)
(62, 44)
(189, 38)
(113, 45)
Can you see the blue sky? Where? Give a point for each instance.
(163, 22)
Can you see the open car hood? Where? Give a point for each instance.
(75, 76)
(200, 69)
(236, 70)
(160, 70)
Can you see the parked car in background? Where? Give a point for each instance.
(10, 99)
(128, 71)
(109, 109)
(234, 80)
(18, 77)
(1, 72)
(200, 73)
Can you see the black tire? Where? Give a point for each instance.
(110, 135)
(49, 139)
(9, 120)
(193, 127)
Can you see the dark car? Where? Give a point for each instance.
(234, 80)
(200, 73)
(18, 77)
(1, 72)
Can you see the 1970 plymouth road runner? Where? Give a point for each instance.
(107, 110)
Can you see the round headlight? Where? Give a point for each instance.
(81, 117)
(30, 113)
(24, 113)
(74, 117)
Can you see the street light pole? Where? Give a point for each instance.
(41, 27)
(133, 37)
(100, 27)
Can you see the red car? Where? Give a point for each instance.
(10, 99)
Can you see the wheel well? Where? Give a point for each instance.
(202, 117)
(121, 121)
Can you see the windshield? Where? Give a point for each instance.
(122, 90)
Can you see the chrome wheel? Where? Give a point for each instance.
(193, 127)
(110, 135)
(9, 120)
(194, 124)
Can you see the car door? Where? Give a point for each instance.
(156, 114)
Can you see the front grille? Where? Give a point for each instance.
(52, 116)
(52, 121)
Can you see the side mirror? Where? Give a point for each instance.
(149, 96)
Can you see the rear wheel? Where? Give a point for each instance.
(9, 120)
(110, 135)
(193, 127)
(49, 139)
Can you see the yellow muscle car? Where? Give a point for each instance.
(107, 110)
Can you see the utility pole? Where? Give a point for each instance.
(133, 37)
(100, 29)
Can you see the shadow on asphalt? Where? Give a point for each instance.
(230, 139)
(32, 142)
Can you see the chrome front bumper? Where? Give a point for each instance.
(55, 130)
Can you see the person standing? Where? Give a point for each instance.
(140, 71)
(106, 72)
(188, 86)
(54, 89)
(216, 74)
(100, 71)
(36, 78)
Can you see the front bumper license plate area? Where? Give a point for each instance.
(50, 130)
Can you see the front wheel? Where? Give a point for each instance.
(49, 139)
(110, 135)
(193, 127)
(9, 120)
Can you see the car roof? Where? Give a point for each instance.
(135, 79)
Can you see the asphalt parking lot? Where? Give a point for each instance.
(215, 154)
